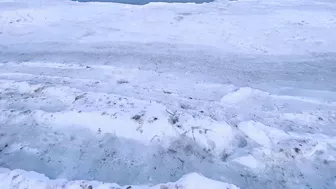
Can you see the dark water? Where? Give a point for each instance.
(143, 2)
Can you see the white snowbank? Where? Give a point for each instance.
(19, 179)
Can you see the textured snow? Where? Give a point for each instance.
(22, 179)
(225, 94)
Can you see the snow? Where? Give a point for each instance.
(143, 2)
(22, 179)
(227, 94)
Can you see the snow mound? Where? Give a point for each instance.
(238, 95)
(13, 179)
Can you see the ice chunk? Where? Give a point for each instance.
(248, 161)
(251, 129)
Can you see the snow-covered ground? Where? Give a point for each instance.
(228, 94)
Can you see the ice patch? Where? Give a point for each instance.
(123, 126)
(248, 161)
(253, 131)
(212, 135)
(248, 96)
(22, 87)
(238, 95)
(262, 134)
(303, 118)
(197, 181)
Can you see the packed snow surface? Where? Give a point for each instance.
(142, 2)
(220, 95)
